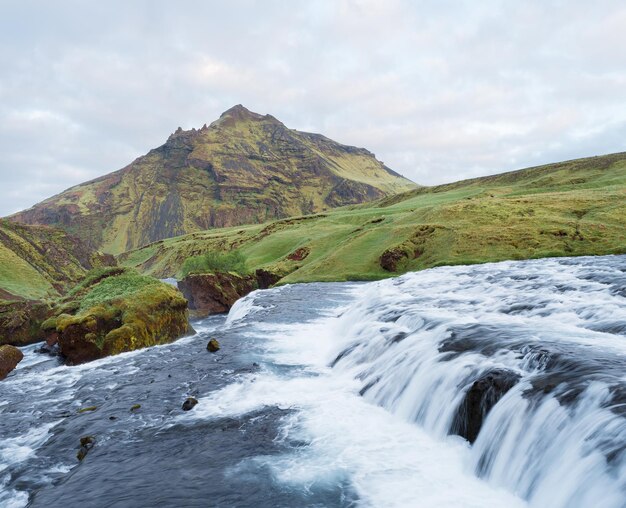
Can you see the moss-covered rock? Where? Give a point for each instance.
(20, 321)
(213, 346)
(10, 356)
(116, 310)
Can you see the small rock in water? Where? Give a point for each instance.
(87, 409)
(86, 444)
(189, 404)
(135, 407)
(112, 417)
(48, 350)
(213, 346)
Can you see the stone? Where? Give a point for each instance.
(86, 444)
(189, 404)
(213, 346)
(10, 356)
(484, 393)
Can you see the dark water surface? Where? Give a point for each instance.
(151, 456)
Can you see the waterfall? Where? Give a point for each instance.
(525, 360)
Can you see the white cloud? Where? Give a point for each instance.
(438, 90)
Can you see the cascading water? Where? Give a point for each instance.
(525, 359)
(344, 395)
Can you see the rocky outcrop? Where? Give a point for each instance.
(113, 311)
(244, 168)
(20, 322)
(215, 293)
(10, 356)
(395, 258)
(484, 393)
(300, 254)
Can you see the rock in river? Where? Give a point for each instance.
(10, 356)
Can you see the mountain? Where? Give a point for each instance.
(39, 262)
(244, 168)
(566, 209)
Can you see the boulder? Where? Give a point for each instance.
(10, 356)
(213, 346)
(86, 444)
(189, 404)
(483, 394)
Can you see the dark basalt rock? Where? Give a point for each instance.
(213, 346)
(86, 444)
(484, 393)
(189, 404)
(10, 356)
(266, 279)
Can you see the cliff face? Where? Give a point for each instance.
(244, 168)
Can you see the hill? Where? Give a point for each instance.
(39, 262)
(244, 168)
(570, 208)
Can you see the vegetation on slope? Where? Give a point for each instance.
(244, 168)
(38, 262)
(215, 262)
(571, 208)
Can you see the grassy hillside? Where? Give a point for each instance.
(38, 261)
(571, 208)
(244, 168)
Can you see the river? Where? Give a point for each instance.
(473, 386)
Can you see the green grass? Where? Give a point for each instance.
(567, 209)
(233, 261)
(115, 288)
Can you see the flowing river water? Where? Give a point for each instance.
(473, 386)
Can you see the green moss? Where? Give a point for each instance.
(117, 287)
(117, 311)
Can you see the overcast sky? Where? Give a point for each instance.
(439, 90)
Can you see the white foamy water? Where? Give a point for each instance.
(418, 344)
(242, 308)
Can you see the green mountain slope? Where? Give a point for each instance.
(244, 168)
(571, 208)
(39, 262)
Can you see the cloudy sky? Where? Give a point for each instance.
(439, 90)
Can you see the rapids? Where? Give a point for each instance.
(490, 385)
